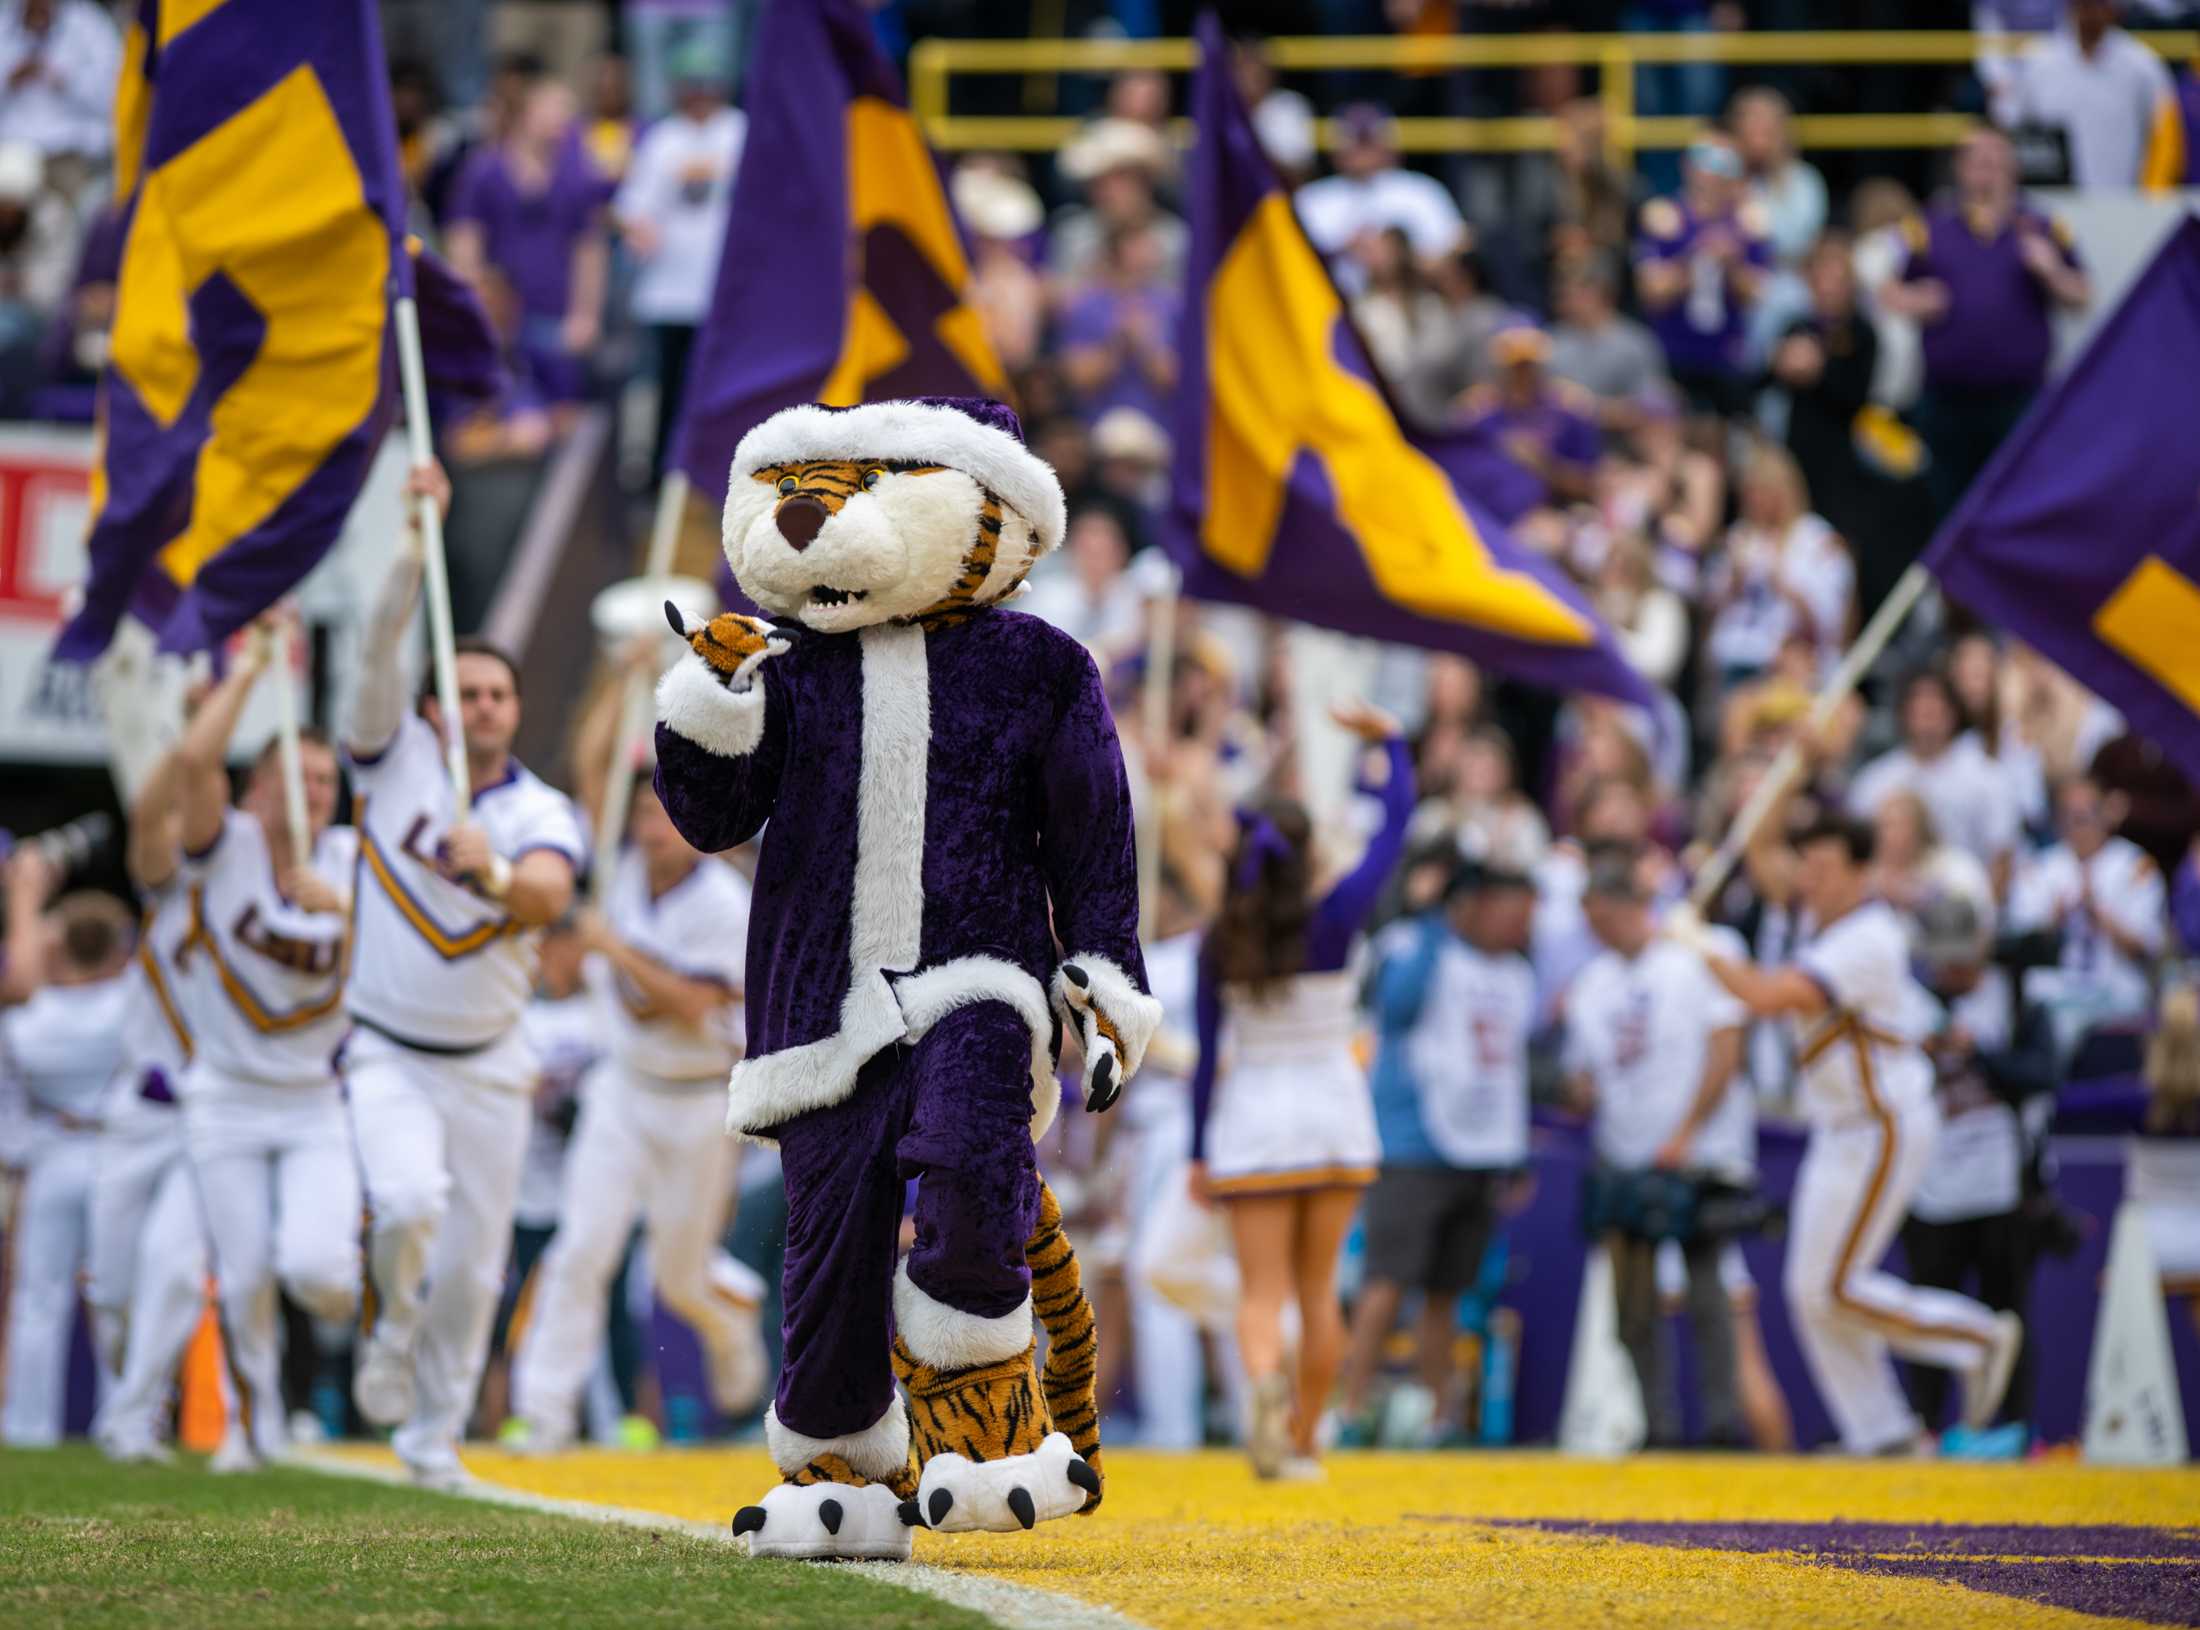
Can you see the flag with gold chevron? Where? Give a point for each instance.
(251, 375)
(843, 278)
(2082, 536)
(1297, 489)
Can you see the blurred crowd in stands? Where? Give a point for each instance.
(1750, 386)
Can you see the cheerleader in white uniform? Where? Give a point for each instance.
(1283, 1128)
(59, 1047)
(264, 1120)
(147, 1284)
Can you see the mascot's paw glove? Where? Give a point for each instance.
(732, 646)
(1114, 1021)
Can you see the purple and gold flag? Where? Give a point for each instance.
(843, 276)
(1298, 491)
(2082, 537)
(252, 372)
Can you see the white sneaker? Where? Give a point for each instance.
(440, 1476)
(306, 1428)
(1409, 1415)
(382, 1386)
(1985, 1386)
(524, 1436)
(131, 1450)
(1301, 1469)
(235, 1456)
(1269, 1441)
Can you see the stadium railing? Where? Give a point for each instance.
(934, 62)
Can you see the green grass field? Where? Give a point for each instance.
(85, 1544)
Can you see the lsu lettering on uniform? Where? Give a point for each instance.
(263, 1114)
(149, 1257)
(439, 1074)
(59, 1050)
(651, 1143)
(1868, 1090)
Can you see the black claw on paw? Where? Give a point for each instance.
(1084, 1476)
(1104, 1085)
(1020, 1502)
(678, 622)
(1076, 976)
(943, 1501)
(911, 1515)
(829, 1513)
(748, 1520)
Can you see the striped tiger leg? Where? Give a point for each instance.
(983, 1413)
(829, 1468)
(1073, 1336)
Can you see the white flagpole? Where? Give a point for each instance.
(1154, 731)
(1908, 590)
(634, 706)
(436, 574)
(286, 737)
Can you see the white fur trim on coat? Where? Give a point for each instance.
(940, 1336)
(776, 1087)
(879, 1451)
(928, 997)
(886, 902)
(1135, 1015)
(913, 430)
(693, 704)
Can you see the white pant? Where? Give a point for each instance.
(50, 1240)
(1167, 1365)
(149, 1265)
(655, 1152)
(441, 1142)
(1851, 1195)
(279, 1186)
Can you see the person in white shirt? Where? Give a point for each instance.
(1370, 192)
(1995, 1060)
(1868, 1092)
(2103, 898)
(450, 905)
(60, 1042)
(59, 60)
(1654, 1043)
(2112, 97)
(671, 209)
(149, 1261)
(667, 952)
(265, 957)
(1783, 571)
(1962, 785)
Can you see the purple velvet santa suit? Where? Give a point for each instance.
(931, 793)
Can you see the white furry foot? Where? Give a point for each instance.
(958, 1496)
(826, 1522)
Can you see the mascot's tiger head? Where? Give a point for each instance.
(844, 517)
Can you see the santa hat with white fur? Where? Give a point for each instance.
(974, 434)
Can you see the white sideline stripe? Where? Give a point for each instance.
(1011, 1606)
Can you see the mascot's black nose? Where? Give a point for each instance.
(799, 521)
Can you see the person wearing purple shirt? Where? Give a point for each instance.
(1290, 1140)
(1700, 265)
(527, 230)
(1116, 335)
(1546, 425)
(2184, 901)
(1985, 275)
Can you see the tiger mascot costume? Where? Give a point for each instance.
(946, 884)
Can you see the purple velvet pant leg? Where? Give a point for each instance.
(844, 1204)
(968, 1145)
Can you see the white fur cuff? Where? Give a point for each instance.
(1135, 1015)
(940, 1336)
(879, 1451)
(692, 703)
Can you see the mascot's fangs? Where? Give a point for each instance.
(947, 880)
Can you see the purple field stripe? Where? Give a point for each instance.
(1878, 1538)
(2112, 1570)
